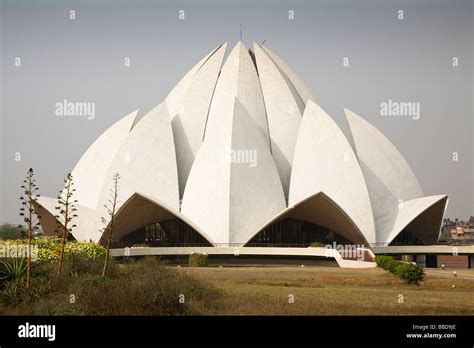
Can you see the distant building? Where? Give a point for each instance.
(463, 230)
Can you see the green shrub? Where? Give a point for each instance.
(132, 287)
(410, 273)
(12, 281)
(198, 260)
(12, 292)
(76, 265)
(394, 267)
(40, 285)
(151, 289)
(9, 231)
(87, 250)
(49, 248)
(382, 261)
(12, 270)
(43, 242)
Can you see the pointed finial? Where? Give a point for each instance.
(241, 32)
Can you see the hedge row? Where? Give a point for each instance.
(410, 273)
(198, 260)
(49, 248)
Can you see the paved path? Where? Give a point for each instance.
(320, 252)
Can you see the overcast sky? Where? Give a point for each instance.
(82, 60)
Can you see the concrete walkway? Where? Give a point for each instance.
(244, 251)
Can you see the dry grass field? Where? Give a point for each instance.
(150, 287)
(335, 291)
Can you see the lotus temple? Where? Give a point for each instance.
(241, 153)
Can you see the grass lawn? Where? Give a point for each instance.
(335, 291)
(150, 287)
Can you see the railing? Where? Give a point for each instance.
(161, 245)
(391, 244)
(378, 244)
(400, 244)
(265, 245)
(216, 245)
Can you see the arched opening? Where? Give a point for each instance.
(315, 219)
(425, 228)
(295, 233)
(169, 233)
(406, 238)
(142, 220)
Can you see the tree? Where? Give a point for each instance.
(28, 212)
(10, 231)
(67, 212)
(108, 230)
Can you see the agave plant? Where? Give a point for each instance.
(13, 270)
(11, 292)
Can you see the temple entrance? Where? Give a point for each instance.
(406, 238)
(295, 233)
(170, 233)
